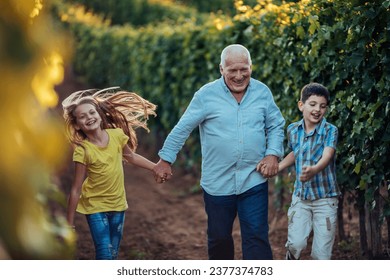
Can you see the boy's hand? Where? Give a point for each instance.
(307, 173)
(268, 167)
(260, 166)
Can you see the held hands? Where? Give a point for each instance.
(268, 166)
(162, 171)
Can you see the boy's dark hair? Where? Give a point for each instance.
(314, 89)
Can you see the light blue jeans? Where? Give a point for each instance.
(106, 230)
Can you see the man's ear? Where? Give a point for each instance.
(300, 105)
(220, 69)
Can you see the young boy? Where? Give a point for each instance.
(315, 197)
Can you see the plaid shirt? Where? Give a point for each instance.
(308, 150)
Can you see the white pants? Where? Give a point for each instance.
(307, 215)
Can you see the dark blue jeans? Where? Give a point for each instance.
(106, 230)
(252, 209)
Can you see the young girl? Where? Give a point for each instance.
(100, 125)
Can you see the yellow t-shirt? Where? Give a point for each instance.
(103, 189)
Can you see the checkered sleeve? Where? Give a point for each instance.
(331, 137)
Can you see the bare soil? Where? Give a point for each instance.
(168, 221)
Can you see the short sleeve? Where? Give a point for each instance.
(79, 155)
(331, 137)
(122, 137)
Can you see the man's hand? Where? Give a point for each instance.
(268, 166)
(162, 171)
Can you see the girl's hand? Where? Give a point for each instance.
(162, 171)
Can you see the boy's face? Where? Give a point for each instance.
(313, 110)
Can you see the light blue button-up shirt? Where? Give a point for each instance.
(234, 136)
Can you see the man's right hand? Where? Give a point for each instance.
(162, 171)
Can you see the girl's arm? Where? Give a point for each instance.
(136, 159)
(309, 171)
(287, 161)
(75, 191)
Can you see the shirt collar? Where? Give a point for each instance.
(223, 84)
(320, 128)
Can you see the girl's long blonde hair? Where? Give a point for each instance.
(117, 108)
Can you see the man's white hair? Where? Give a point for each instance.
(235, 49)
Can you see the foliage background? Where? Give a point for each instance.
(166, 50)
(342, 44)
(31, 64)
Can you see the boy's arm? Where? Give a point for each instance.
(309, 171)
(287, 161)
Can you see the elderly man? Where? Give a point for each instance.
(240, 127)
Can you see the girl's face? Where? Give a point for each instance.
(87, 118)
(313, 110)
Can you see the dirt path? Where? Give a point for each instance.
(161, 222)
